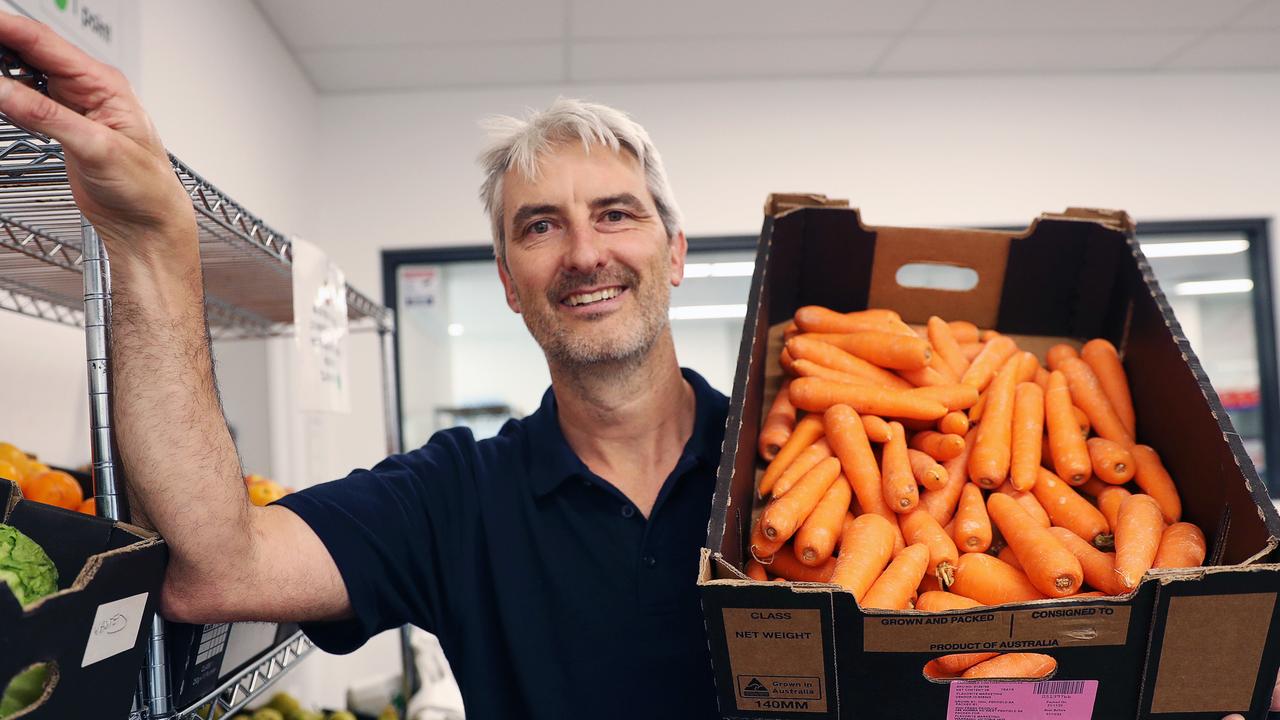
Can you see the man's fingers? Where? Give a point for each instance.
(36, 112)
(42, 47)
(1275, 695)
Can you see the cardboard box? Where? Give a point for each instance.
(93, 629)
(1185, 644)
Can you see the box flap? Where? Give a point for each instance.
(779, 203)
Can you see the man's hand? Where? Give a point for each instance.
(119, 170)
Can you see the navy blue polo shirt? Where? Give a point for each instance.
(551, 594)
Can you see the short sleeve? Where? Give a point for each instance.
(391, 530)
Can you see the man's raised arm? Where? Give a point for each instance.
(183, 471)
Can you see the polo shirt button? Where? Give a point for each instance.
(628, 511)
(649, 561)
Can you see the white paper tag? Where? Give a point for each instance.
(115, 628)
(320, 331)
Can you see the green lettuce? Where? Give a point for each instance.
(25, 567)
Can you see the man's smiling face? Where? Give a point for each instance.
(588, 261)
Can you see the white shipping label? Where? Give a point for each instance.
(115, 628)
(320, 330)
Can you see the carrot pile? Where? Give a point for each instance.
(944, 467)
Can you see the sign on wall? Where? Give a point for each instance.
(106, 29)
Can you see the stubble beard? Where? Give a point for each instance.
(584, 345)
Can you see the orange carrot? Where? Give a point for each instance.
(893, 589)
(817, 536)
(989, 462)
(787, 362)
(1181, 546)
(945, 344)
(942, 503)
(817, 319)
(972, 531)
(803, 347)
(1082, 420)
(964, 331)
(803, 463)
(897, 483)
(1086, 393)
(1139, 527)
(1093, 487)
(816, 395)
(1042, 378)
(785, 565)
(1008, 555)
(848, 440)
(877, 429)
(988, 362)
(762, 548)
(940, 366)
(957, 663)
(971, 350)
(931, 670)
(928, 473)
(954, 423)
(782, 517)
(865, 550)
(886, 349)
(806, 433)
(1109, 501)
(940, 600)
(1099, 567)
(756, 571)
(1057, 354)
(808, 368)
(1028, 428)
(1013, 665)
(778, 424)
(1156, 482)
(1111, 461)
(1069, 452)
(937, 445)
(991, 581)
(1028, 364)
(975, 412)
(1105, 362)
(924, 377)
(1050, 567)
(930, 583)
(1028, 502)
(987, 335)
(1066, 508)
(918, 526)
(954, 397)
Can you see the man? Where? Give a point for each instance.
(556, 562)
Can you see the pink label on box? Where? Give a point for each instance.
(1051, 700)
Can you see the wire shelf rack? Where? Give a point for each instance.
(246, 263)
(237, 692)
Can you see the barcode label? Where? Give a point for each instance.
(1060, 687)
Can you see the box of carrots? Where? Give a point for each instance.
(980, 474)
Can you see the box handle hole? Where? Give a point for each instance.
(937, 276)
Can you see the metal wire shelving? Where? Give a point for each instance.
(53, 267)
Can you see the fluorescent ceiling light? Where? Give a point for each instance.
(719, 269)
(1194, 248)
(708, 312)
(1214, 287)
(455, 329)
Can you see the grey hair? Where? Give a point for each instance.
(517, 143)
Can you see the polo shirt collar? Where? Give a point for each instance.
(552, 461)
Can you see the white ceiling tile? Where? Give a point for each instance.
(1232, 50)
(1067, 15)
(1030, 53)
(723, 59)
(598, 19)
(1263, 14)
(407, 66)
(308, 24)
